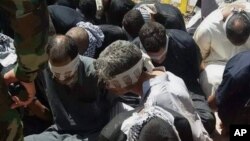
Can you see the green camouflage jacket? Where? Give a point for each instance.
(30, 22)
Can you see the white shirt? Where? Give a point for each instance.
(169, 91)
(211, 38)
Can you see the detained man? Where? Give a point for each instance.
(79, 107)
(144, 12)
(91, 39)
(120, 68)
(221, 35)
(179, 54)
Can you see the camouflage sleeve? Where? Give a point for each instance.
(30, 22)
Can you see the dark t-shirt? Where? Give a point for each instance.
(82, 109)
(183, 57)
(169, 16)
(69, 3)
(64, 18)
(233, 93)
(111, 34)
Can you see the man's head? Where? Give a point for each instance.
(162, 131)
(238, 27)
(154, 39)
(132, 22)
(152, 123)
(119, 66)
(80, 37)
(63, 58)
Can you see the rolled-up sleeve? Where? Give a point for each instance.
(30, 22)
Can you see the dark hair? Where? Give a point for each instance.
(117, 10)
(238, 28)
(153, 36)
(132, 22)
(157, 130)
(61, 47)
(88, 8)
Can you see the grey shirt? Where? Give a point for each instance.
(82, 109)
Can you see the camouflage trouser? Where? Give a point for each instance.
(11, 128)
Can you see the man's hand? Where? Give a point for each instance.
(31, 91)
(10, 77)
(212, 102)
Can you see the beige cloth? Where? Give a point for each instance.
(211, 78)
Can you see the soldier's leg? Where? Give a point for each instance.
(10, 121)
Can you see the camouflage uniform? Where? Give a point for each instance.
(30, 22)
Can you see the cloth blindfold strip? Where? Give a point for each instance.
(132, 75)
(146, 10)
(128, 77)
(69, 69)
(99, 9)
(162, 53)
(134, 124)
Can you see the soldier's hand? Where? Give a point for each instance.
(31, 91)
(10, 77)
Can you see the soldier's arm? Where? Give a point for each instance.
(30, 22)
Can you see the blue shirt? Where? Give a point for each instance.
(233, 92)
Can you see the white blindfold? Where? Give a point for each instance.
(131, 75)
(61, 73)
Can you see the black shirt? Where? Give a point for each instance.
(111, 34)
(183, 57)
(64, 18)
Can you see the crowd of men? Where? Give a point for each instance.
(116, 70)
